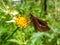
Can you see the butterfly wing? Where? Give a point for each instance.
(39, 24)
(43, 24)
(35, 23)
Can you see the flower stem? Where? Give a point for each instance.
(11, 34)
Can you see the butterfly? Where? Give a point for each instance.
(38, 23)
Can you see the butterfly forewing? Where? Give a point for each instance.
(38, 23)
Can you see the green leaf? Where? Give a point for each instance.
(14, 41)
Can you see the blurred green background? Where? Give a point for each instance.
(30, 36)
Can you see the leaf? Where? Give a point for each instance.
(37, 38)
(14, 41)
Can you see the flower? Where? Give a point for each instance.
(22, 21)
(12, 12)
(10, 21)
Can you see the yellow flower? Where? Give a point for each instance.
(22, 21)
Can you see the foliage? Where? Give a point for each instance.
(29, 36)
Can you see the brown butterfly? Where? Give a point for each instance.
(38, 23)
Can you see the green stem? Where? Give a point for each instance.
(11, 34)
(3, 4)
